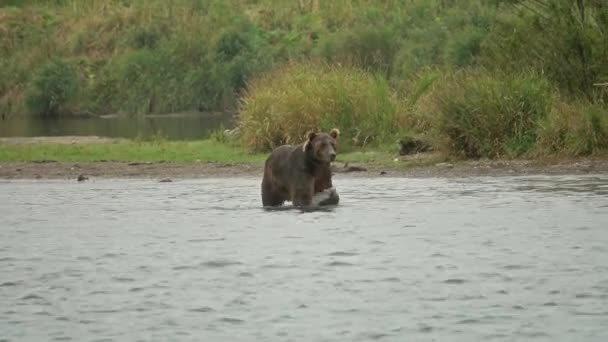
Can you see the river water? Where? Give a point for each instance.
(178, 126)
(472, 259)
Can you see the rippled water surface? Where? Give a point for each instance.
(476, 259)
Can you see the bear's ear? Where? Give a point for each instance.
(309, 137)
(334, 133)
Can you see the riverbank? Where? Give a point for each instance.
(173, 171)
(93, 157)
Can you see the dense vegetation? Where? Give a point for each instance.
(488, 78)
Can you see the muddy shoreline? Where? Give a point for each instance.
(163, 170)
(407, 166)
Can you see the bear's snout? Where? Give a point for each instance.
(332, 156)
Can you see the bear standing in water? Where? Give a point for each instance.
(302, 173)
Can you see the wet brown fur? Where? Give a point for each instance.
(296, 172)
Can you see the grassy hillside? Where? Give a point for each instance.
(479, 77)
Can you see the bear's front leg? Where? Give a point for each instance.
(302, 196)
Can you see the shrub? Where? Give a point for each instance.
(411, 90)
(145, 81)
(372, 48)
(563, 38)
(240, 52)
(51, 89)
(574, 129)
(281, 106)
(464, 47)
(486, 115)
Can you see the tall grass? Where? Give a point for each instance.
(485, 115)
(574, 129)
(282, 105)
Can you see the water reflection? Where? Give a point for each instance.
(185, 126)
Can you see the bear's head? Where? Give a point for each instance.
(322, 146)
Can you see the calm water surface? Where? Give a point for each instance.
(180, 126)
(476, 259)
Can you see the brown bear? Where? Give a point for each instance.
(302, 173)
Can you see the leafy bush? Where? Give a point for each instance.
(241, 51)
(369, 47)
(574, 129)
(51, 89)
(464, 47)
(566, 40)
(282, 105)
(489, 115)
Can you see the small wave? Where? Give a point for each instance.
(438, 255)
(278, 266)
(516, 267)
(342, 253)
(495, 336)
(339, 264)
(376, 335)
(435, 299)
(534, 334)
(469, 321)
(32, 296)
(207, 240)
(184, 267)
(123, 279)
(586, 313)
(454, 281)
(219, 263)
(472, 297)
(207, 264)
(425, 328)
(392, 280)
(490, 275)
(235, 208)
(110, 255)
(97, 292)
(11, 283)
(231, 320)
(202, 309)
(100, 311)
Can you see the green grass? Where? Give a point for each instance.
(131, 151)
(202, 151)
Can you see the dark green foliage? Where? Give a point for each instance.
(369, 47)
(567, 40)
(52, 87)
(241, 51)
(485, 115)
